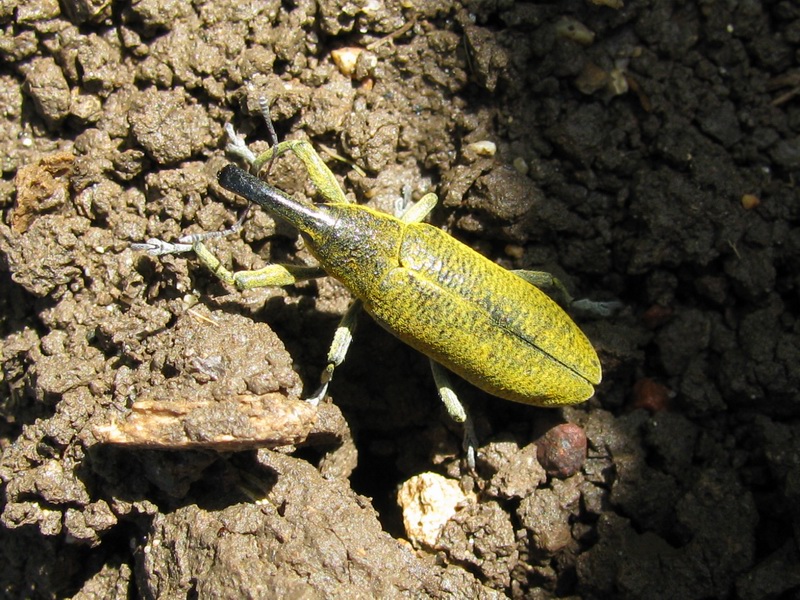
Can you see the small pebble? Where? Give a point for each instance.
(651, 395)
(428, 501)
(562, 450)
(345, 59)
(750, 201)
(572, 29)
(482, 148)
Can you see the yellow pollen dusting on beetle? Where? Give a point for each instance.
(490, 326)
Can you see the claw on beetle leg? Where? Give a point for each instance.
(597, 308)
(237, 147)
(470, 443)
(456, 409)
(157, 247)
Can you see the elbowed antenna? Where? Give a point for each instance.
(307, 218)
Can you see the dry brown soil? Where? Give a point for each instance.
(645, 153)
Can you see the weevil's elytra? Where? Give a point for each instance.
(482, 322)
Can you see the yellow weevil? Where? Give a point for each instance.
(491, 326)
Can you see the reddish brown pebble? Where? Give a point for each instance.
(562, 450)
(656, 315)
(650, 395)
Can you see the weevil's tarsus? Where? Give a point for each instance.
(263, 106)
(237, 147)
(456, 409)
(338, 350)
(157, 247)
(597, 308)
(558, 291)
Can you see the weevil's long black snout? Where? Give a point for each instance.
(308, 218)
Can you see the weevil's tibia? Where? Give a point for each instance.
(455, 409)
(548, 284)
(338, 350)
(417, 212)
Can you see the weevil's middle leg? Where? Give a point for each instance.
(338, 350)
(456, 410)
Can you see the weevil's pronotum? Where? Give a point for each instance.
(493, 327)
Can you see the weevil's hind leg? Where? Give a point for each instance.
(338, 350)
(456, 410)
(548, 284)
(553, 286)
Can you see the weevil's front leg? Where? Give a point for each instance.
(553, 286)
(456, 410)
(274, 275)
(338, 350)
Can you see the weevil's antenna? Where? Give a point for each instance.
(263, 106)
(237, 146)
